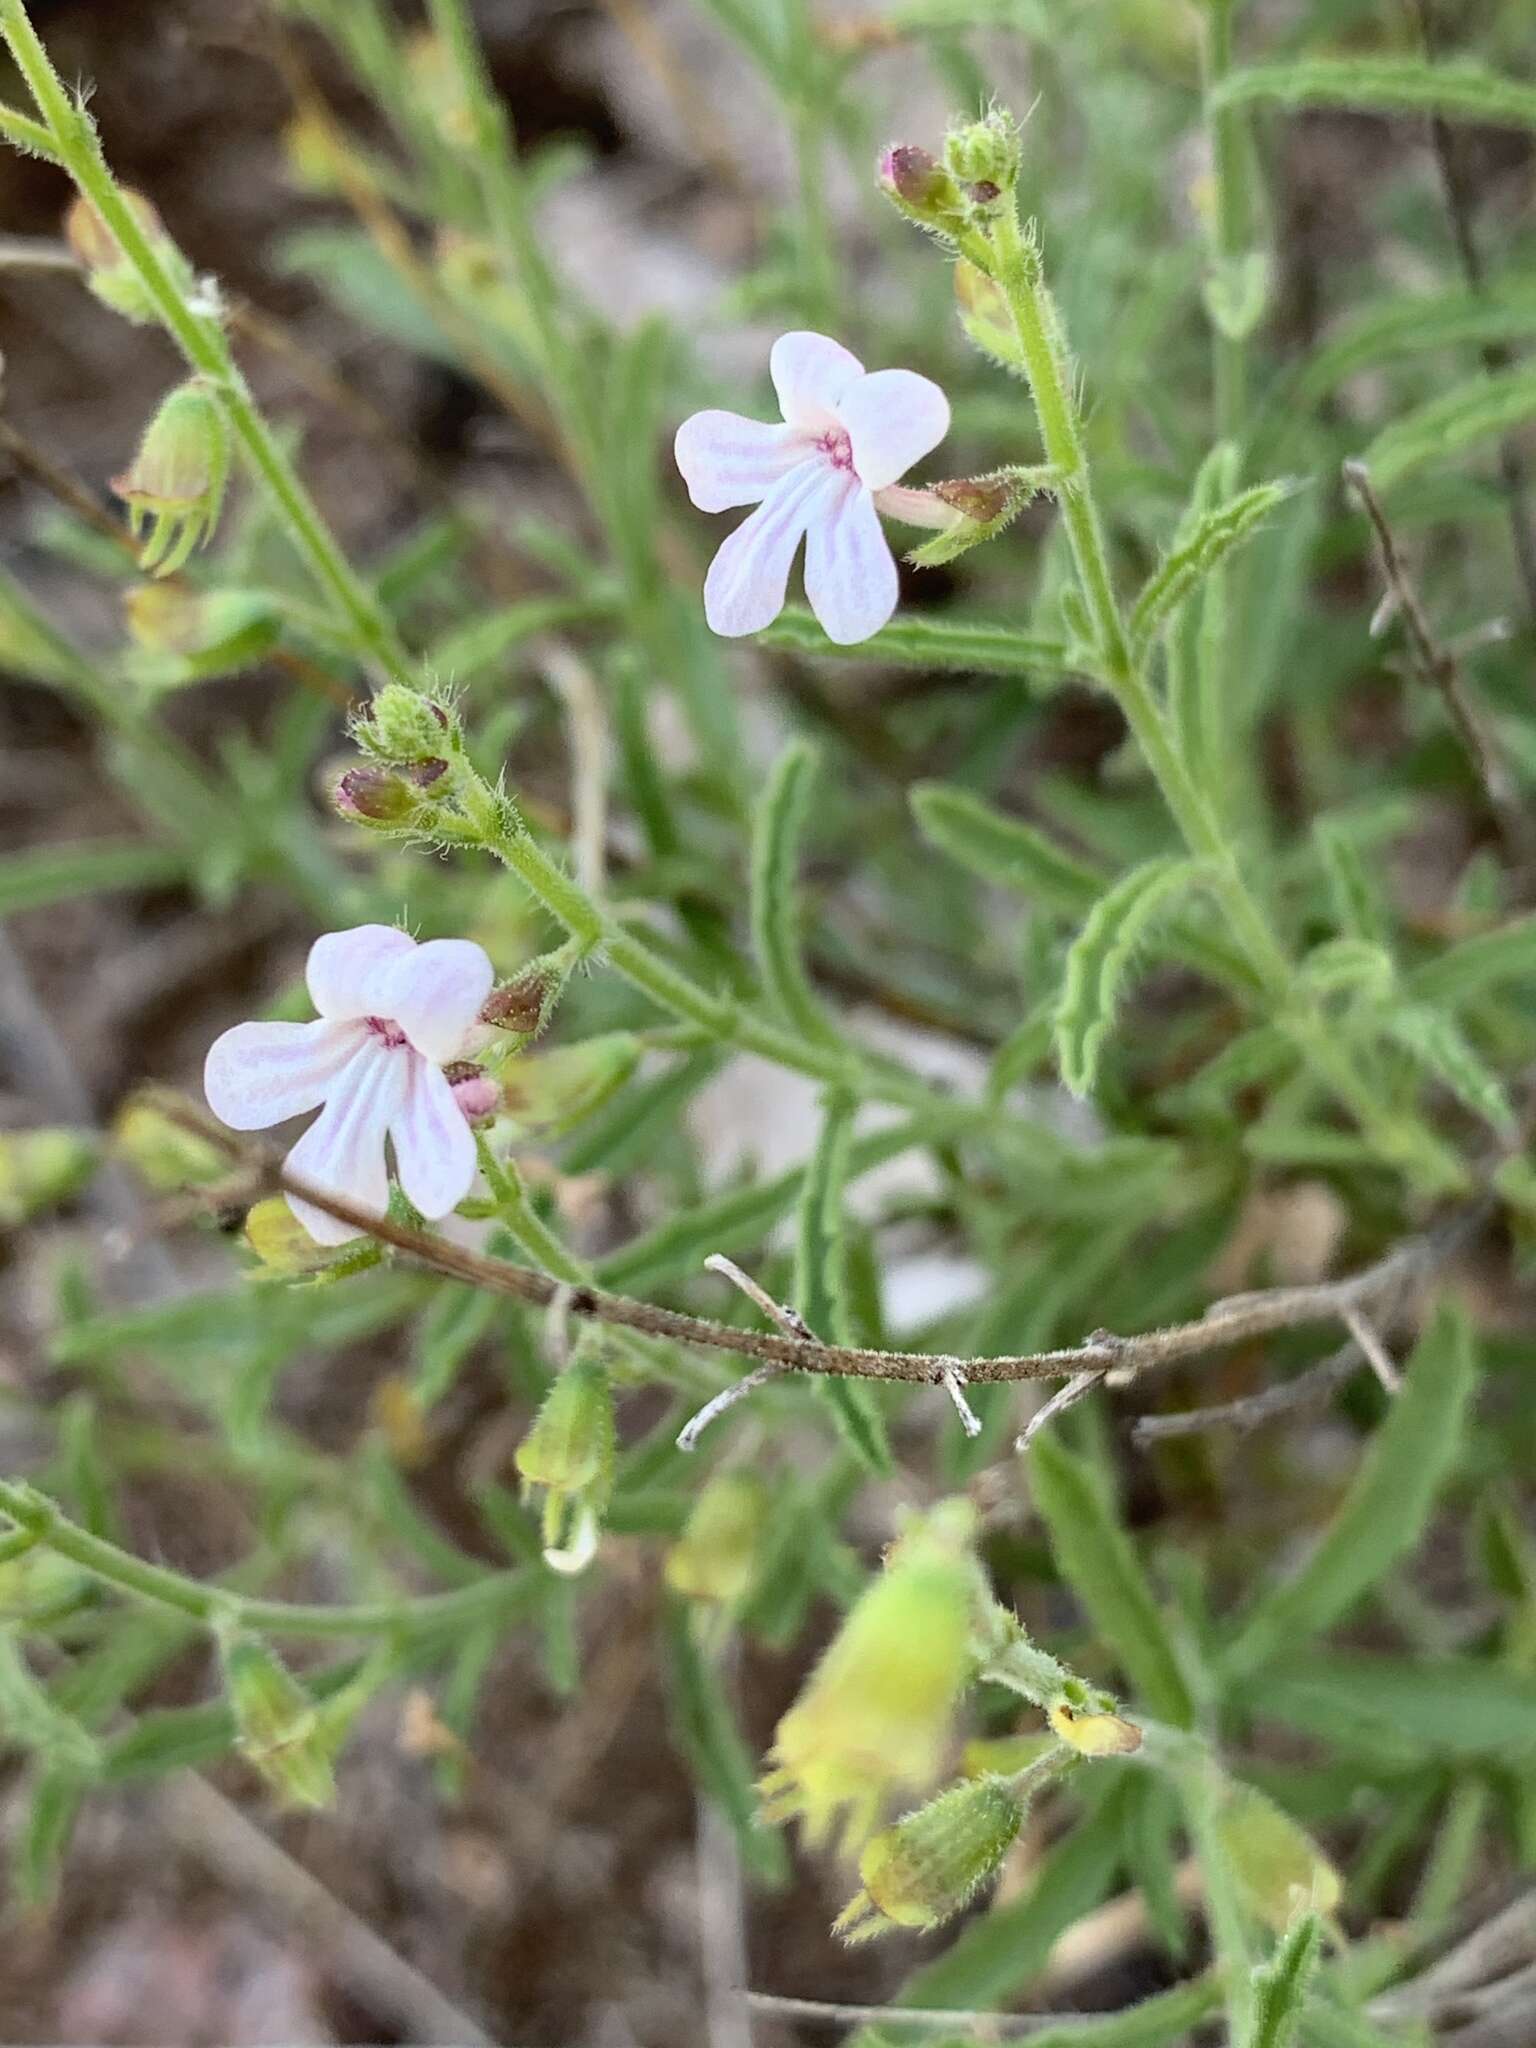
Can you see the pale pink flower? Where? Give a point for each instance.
(392, 1015)
(847, 434)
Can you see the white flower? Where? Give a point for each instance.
(391, 1013)
(846, 435)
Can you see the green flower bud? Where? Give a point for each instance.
(281, 1731)
(874, 1717)
(108, 273)
(1277, 1866)
(164, 1154)
(984, 154)
(567, 1457)
(174, 486)
(404, 727)
(716, 1557)
(548, 1092)
(925, 1868)
(41, 1169)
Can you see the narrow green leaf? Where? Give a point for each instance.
(1280, 1985)
(1385, 85)
(1440, 1048)
(1099, 1563)
(1358, 910)
(1392, 1707)
(969, 646)
(705, 1730)
(821, 1287)
(37, 1853)
(45, 875)
(1005, 850)
(1479, 410)
(1383, 1514)
(776, 831)
(1486, 960)
(1209, 540)
(1101, 955)
(734, 1221)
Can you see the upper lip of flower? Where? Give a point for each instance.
(847, 434)
(390, 1013)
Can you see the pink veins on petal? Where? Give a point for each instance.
(846, 434)
(392, 1013)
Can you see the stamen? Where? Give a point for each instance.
(387, 1029)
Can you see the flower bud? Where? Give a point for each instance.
(1094, 1734)
(41, 1169)
(175, 484)
(925, 1868)
(985, 316)
(874, 1717)
(985, 154)
(279, 1239)
(474, 1091)
(522, 1004)
(716, 1557)
(404, 728)
(163, 1153)
(279, 1728)
(1277, 1866)
(919, 186)
(109, 274)
(548, 1092)
(567, 1456)
(379, 796)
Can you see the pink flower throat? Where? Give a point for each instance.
(837, 447)
(388, 1031)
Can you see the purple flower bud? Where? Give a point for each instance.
(474, 1091)
(374, 796)
(919, 184)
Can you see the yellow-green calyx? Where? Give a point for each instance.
(874, 1719)
(923, 1870)
(174, 487)
(566, 1460)
(716, 1557)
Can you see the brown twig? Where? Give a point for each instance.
(1439, 668)
(1250, 1315)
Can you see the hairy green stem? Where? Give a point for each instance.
(1230, 202)
(38, 1517)
(1014, 262)
(201, 339)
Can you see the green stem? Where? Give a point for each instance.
(37, 1516)
(1230, 199)
(1014, 262)
(202, 341)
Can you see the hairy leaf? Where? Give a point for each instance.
(1383, 1514)
(1101, 957)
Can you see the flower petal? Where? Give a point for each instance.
(893, 418)
(727, 460)
(434, 994)
(434, 1146)
(850, 574)
(343, 967)
(343, 1149)
(744, 590)
(261, 1074)
(810, 373)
